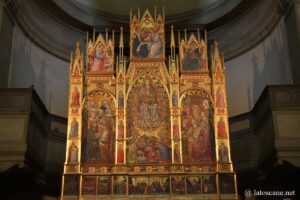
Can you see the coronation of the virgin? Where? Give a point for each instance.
(149, 100)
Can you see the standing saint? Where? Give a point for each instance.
(221, 128)
(73, 157)
(75, 96)
(220, 101)
(120, 158)
(74, 128)
(175, 130)
(223, 153)
(120, 130)
(121, 99)
(174, 99)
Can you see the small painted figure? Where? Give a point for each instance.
(174, 99)
(120, 158)
(192, 58)
(73, 154)
(175, 130)
(176, 153)
(74, 129)
(121, 99)
(120, 130)
(75, 98)
(223, 153)
(221, 128)
(220, 101)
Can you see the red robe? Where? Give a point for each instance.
(222, 129)
(75, 99)
(220, 98)
(120, 159)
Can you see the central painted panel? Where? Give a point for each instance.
(148, 122)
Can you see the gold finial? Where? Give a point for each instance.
(155, 18)
(172, 37)
(216, 43)
(205, 36)
(198, 34)
(130, 16)
(172, 45)
(117, 65)
(77, 51)
(94, 34)
(113, 37)
(178, 38)
(71, 62)
(185, 35)
(87, 39)
(121, 42)
(106, 35)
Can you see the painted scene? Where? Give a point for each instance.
(147, 39)
(148, 123)
(100, 58)
(98, 130)
(71, 185)
(193, 184)
(197, 130)
(209, 185)
(178, 185)
(120, 185)
(89, 185)
(104, 185)
(139, 185)
(193, 56)
(226, 184)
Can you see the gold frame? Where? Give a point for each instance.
(173, 78)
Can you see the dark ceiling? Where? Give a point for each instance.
(56, 25)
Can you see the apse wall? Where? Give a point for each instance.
(31, 65)
(266, 64)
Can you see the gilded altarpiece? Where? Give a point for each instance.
(148, 130)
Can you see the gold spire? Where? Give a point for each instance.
(178, 38)
(155, 17)
(71, 63)
(106, 35)
(172, 37)
(94, 34)
(216, 55)
(121, 44)
(87, 39)
(77, 51)
(172, 45)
